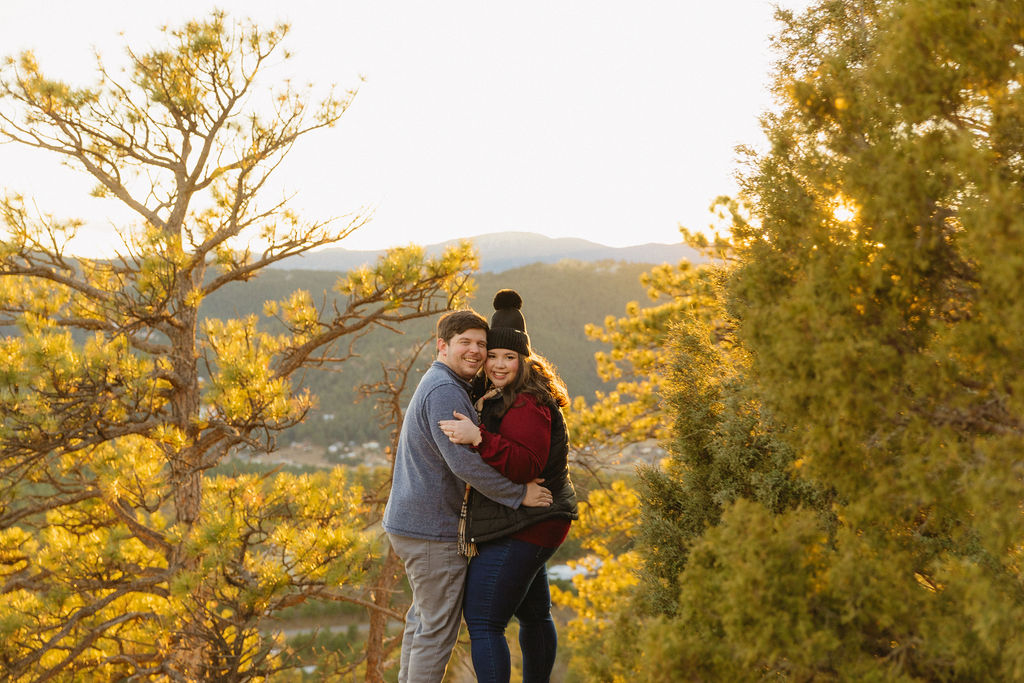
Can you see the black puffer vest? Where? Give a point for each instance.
(488, 520)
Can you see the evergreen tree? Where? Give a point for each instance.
(607, 596)
(724, 446)
(119, 557)
(878, 327)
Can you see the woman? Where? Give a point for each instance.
(523, 436)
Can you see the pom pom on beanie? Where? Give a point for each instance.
(508, 327)
(507, 298)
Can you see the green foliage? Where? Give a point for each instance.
(724, 447)
(843, 499)
(749, 600)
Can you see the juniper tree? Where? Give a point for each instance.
(876, 297)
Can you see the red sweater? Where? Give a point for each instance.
(519, 451)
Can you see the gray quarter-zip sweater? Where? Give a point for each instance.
(431, 472)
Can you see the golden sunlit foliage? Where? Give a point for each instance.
(120, 556)
(607, 525)
(632, 412)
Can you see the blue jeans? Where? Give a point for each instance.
(508, 579)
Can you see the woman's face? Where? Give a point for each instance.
(501, 366)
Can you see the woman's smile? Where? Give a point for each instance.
(501, 366)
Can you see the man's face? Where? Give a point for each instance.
(465, 353)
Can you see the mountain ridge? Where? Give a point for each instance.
(501, 251)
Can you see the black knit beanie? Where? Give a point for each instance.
(508, 328)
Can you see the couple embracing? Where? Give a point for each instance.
(467, 513)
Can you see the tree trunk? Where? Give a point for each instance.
(376, 652)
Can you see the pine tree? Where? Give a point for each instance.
(120, 558)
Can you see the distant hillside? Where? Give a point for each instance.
(559, 301)
(502, 251)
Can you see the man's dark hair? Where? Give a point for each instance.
(457, 322)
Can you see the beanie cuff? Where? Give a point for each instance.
(508, 338)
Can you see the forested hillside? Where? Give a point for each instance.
(560, 299)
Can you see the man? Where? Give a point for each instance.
(422, 514)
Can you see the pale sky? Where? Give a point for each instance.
(611, 121)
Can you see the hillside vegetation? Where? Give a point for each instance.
(560, 299)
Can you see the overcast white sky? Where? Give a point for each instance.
(611, 121)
